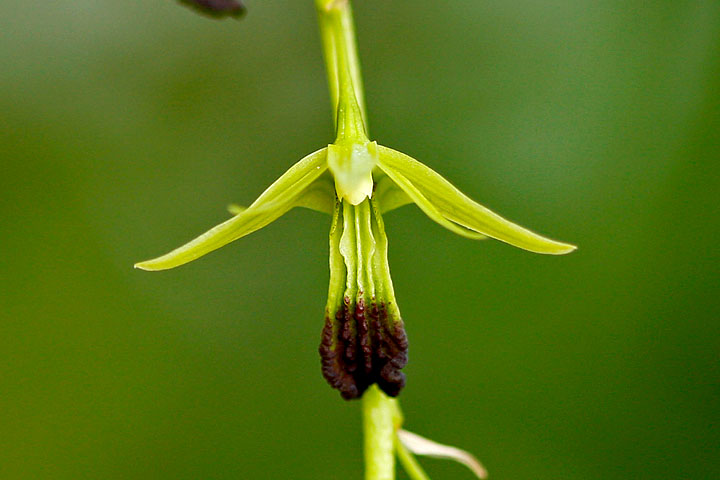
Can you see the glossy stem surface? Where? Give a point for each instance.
(337, 32)
(379, 412)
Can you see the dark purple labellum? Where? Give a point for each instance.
(217, 8)
(361, 346)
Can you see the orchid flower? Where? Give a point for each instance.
(355, 180)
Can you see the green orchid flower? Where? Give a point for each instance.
(363, 341)
(355, 180)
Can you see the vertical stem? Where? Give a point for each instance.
(343, 68)
(378, 414)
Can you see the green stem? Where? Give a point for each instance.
(343, 70)
(379, 411)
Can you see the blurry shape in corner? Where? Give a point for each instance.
(217, 8)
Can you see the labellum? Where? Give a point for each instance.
(363, 340)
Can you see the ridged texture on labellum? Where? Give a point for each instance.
(363, 340)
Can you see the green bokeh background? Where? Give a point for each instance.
(126, 127)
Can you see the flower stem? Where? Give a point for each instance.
(343, 69)
(378, 425)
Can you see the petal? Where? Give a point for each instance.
(302, 173)
(280, 197)
(454, 206)
(318, 196)
(425, 204)
(423, 446)
(388, 195)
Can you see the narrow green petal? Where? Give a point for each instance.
(458, 208)
(305, 171)
(388, 195)
(274, 202)
(425, 204)
(319, 196)
(238, 226)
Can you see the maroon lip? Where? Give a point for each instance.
(361, 346)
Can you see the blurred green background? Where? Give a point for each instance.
(126, 127)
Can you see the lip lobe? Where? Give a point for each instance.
(362, 345)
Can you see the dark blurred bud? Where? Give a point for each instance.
(217, 8)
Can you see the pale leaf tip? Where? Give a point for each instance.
(543, 245)
(565, 248)
(154, 265)
(144, 266)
